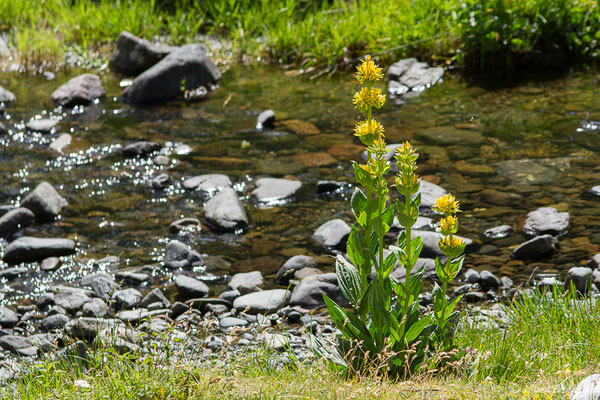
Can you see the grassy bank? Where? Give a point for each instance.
(326, 34)
(549, 345)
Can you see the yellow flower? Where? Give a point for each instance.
(371, 127)
(368, 72)
(368, 97)
(368, 168)
(448, 225)
(447, 205)
(451, 246)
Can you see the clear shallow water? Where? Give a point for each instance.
(539, 147)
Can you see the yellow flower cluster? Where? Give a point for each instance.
(368, 72)
(370, 128)
(447, 205)
(448, 225)
(368, 97)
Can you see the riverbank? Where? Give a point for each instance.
(314, 36)
(542, 353)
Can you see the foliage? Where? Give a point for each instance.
(550, 334)
(502, 33)
(385, 325)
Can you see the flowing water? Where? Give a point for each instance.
(539, 147)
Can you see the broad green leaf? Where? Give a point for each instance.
(348, 280)
(358, 202)
(417, 200)
(362, 176)
(415, 330)
(441, 271)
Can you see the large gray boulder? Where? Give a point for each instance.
(186, 68)
(28, 249)
(44, 201)
(333, 234)
(207, 184)
(246, 282)
(587, 389)
(263, 302)
(190, 287)
(134, 55)
(293, 264)
(225, 212)
(14, 220)
(546, 220)
(81, 90)
(309, 292)
(580, 278)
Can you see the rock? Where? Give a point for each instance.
(225, 212)
(527, 172)
(6, 96)
(12, 273)
(208, 184)
(28, 249)
(184, 69)
(246, 282)
(54, 322)
(540, 246)
(293, 264)
(62, 141)
(305, 272)
(134, 278)
(474, 297)
(183, 225)
(178, 308)
(426, 264)
(133, 55)
(161, 181)
(266, 119)
(308, 293)
(96, 308)
(190, 288)
(230, 295)
(126, 299)
(72, 299)
(580, 278)
(498, 232)
(507, 283)
(472, 276)
(101, 283)
(161, 160)
(214, 343)
(488, 281)
(422, 224)
(3, 130)
(430, 243)
(14, 220)
(8, 318)
(44, 201)
(594, 262)
(274, 190)
(263, 302)
(595, 190)
(442, 135)
(155, 296)
(19, 345)
(140, 149)
(333, 234)
(228, 323)
(587, 389)
(415, 75)
(81, 90)
(178, 255)
(546, 220)
(41, 125)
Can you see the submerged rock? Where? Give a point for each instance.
(81, 90)
(184, 69)
(225, 212)
(208, 184)
(44, 201)
(409, 77)
(140, 149)
(133, 55)
(540, 246)
(498, 232)
(275, 190)
(444, 135)
(41, 125)
(266, 119)
(27, 249)
(546, 220)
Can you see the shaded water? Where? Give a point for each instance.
(539, 148)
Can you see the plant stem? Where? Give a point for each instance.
(407, 248)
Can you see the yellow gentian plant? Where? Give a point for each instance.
(385, 315)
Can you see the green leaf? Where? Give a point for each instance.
(417, 200)
(363, 177)
(388, 264)
(358, 202)
(387, 218)
(415, 330)
(354, 247)
(441, 271)
(348, 280)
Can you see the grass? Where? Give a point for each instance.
(542, 354)
(323, 34)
